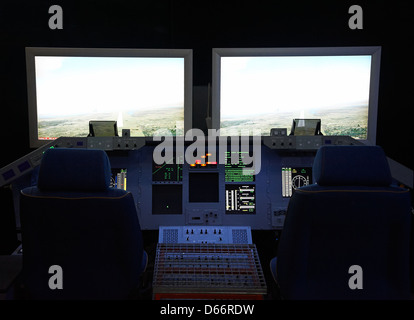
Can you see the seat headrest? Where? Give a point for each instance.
(74, 170)
(351, 166)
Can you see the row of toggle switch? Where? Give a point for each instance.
(215, 231)
(205, 234)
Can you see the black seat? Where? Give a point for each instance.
(73, 219)
(348, 235)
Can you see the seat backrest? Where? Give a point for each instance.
(74, 220)
(352, 216)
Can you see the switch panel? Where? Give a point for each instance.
(205, 234)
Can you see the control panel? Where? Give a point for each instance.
(218, 186)
(307, 142)
(205, 234)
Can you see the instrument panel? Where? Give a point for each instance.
(223, 185)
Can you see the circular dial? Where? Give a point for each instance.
(299, 181)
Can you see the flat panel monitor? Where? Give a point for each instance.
(148, 91)
(103, 129)
(167, 199)
(257, 89)
(306, 127)
(203, 187)
(240, 199)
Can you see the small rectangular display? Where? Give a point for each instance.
(118, 178)
(203, 187)
(241, 199)
(169, 171)
(294, 178)
(241, 171)
(206, 161)
(167, 199)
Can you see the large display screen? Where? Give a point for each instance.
(255, 90)
(144, 91)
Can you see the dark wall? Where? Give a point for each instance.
(203, 25)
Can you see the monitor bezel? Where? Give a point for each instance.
(109, 123)
(32, 52)
(373, 51)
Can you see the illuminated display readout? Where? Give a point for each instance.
(238, 172)
(169, 171)
(240, 199)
